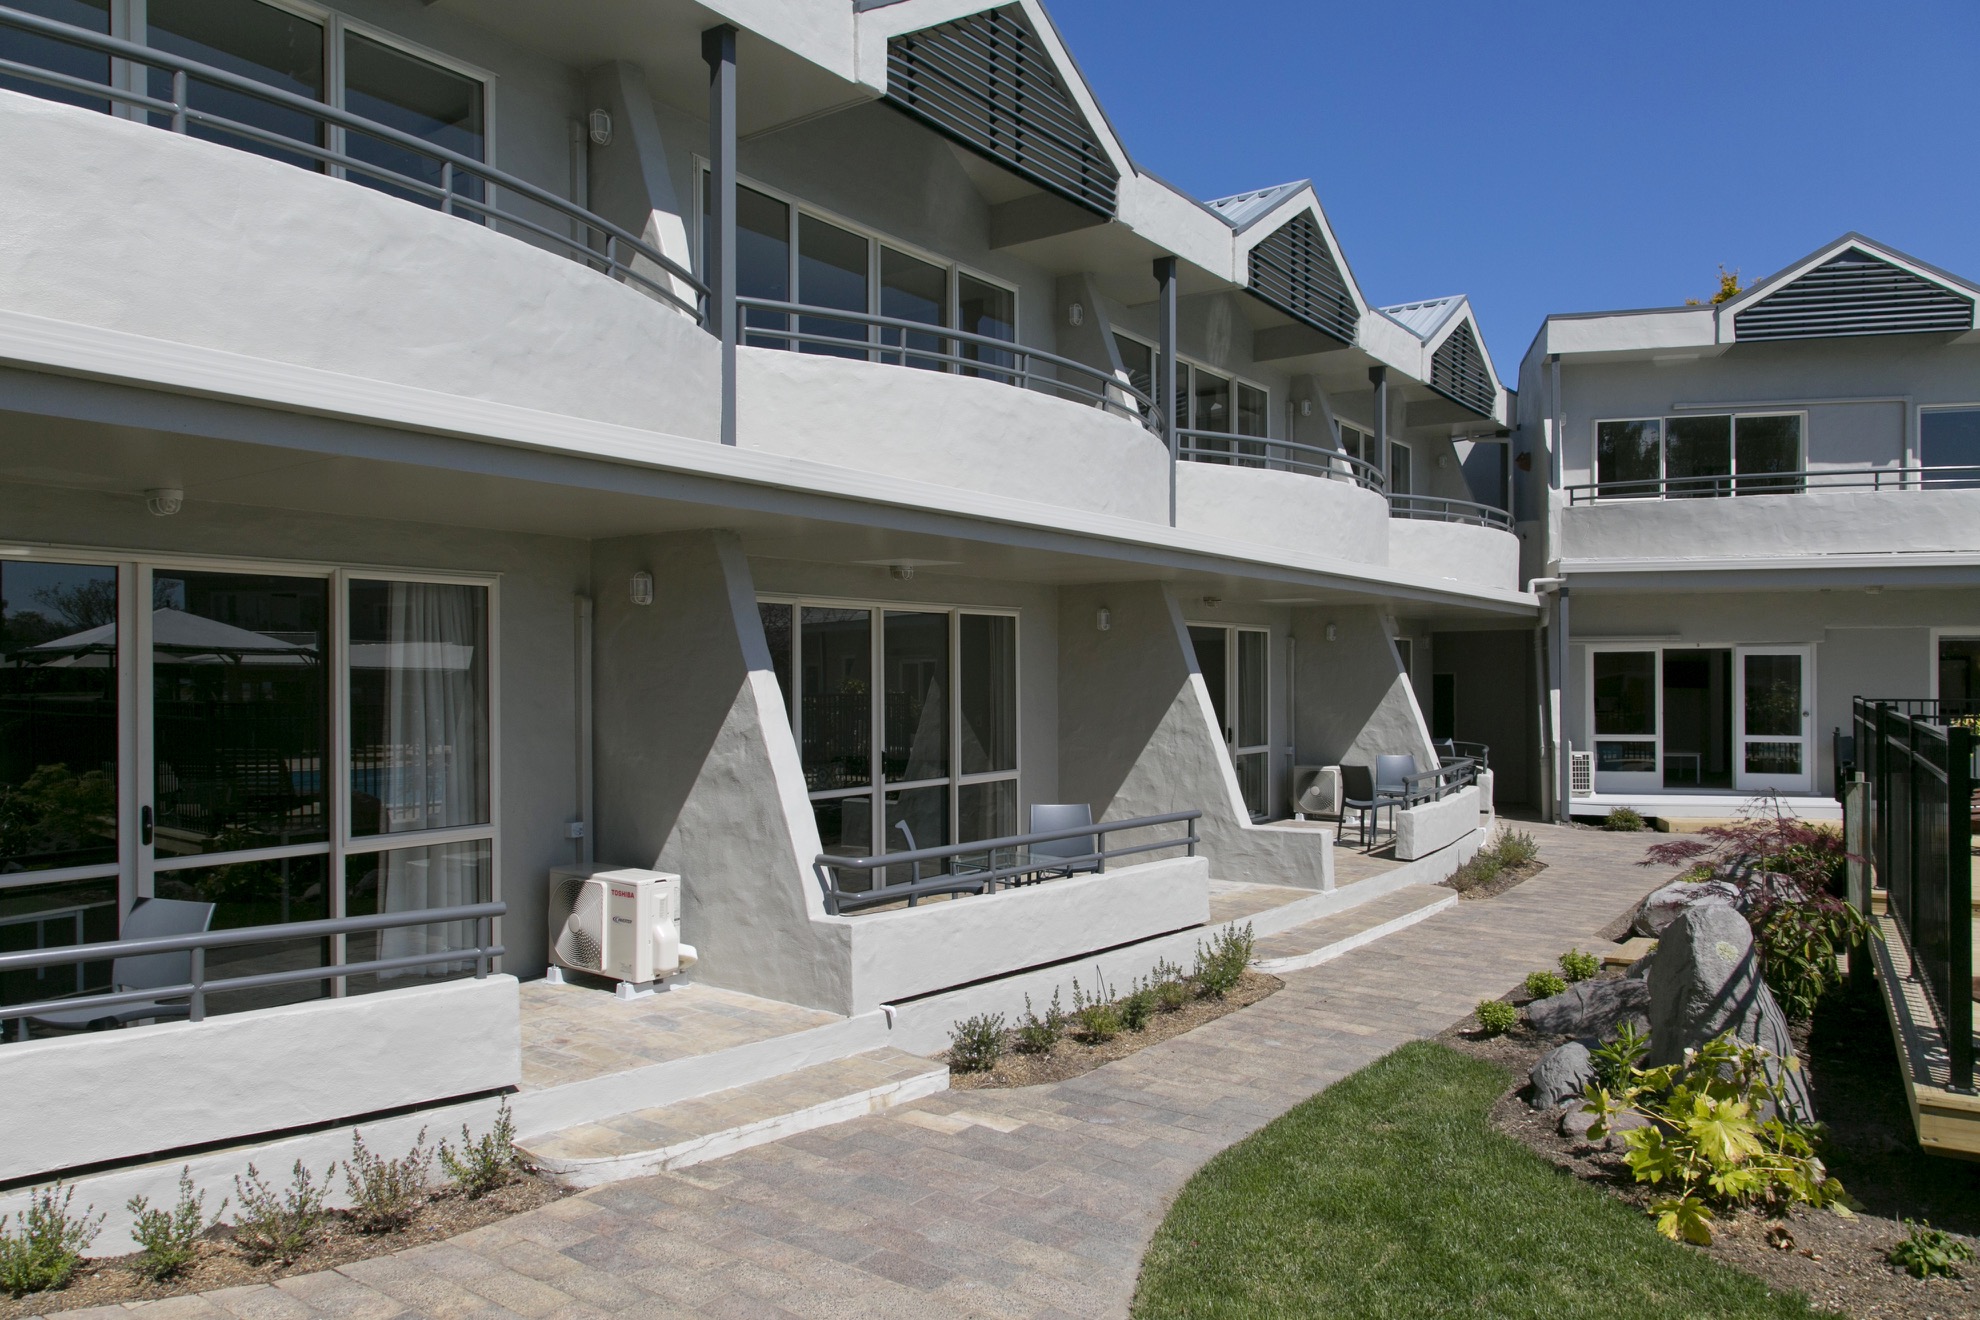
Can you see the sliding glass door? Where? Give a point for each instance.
(1774, 705)
(1235, 666)
(1710, 719)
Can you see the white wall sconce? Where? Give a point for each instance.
(1212, 602)
(1306, 407)
(600, 122)
(164, 501)
(1333, 633)
(901, 572)
(1103, 619)
(1076, 314)
(641, 588)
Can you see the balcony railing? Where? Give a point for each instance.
(1437, 508)
(1278, 455)
(1776, 483)
(1436, 785)
(593, 240)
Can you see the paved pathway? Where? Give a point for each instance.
(1032, 1203)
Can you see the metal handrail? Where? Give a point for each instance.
(1953, 477)
(1477, 751)
(1439, 783)
(1280, 455)
(195, 990)
(1439, 508)
(837, 898)
(1107, 390)
(622, 252)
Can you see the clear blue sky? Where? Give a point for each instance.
(1556, 156)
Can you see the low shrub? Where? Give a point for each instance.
(1138, 1007)
(1544, 985)
(1037, 1035)
(1515, 847)
(277, 1226)
(1615, 1061)
(1480, 870)
(167, 1238)
(1220, 965)
(386, 1194)
(976, 1043)
(485, 1162)
(1171, 990)
(1496, 1017)
(41, 1246)
(1801, 939)
(1579, 966)
(1623, 820)
(1096, 1020)
(1925, 1251)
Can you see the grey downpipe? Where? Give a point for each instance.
(581, 828)
(1550, 672)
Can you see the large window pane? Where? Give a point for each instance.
(985, 309)
(1251, 416)
(1763, 445)
(1210, 408)
(419, 98)
(917, 818)
(763, 260)
(239, 689)
(1212, 647)
(59, 56)
(1251, 688)
(264, 893)
(409, 880)
(1773, 696)
(832, 272)
(254, 40)
(777, 636)
(989, 693)
(1626, 459)
(1626, 693)
(836, 710)
(986, 811)
(1400, 482)
(1950, 438)
(36, 917)
(845, 829)
(1959, 675)
(917, 696)
(1697, 449)
(419, 706)
(913, 290)
(1138, 360)
(58, 715)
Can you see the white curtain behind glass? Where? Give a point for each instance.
(411, 879)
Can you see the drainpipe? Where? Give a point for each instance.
(718, 48)
(1165, 369)
(1559, 800)
(581, 829)
(1379, 378)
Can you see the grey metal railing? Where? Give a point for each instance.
(985, 878)
(597, 242)
(1438, 784)
(1280, 455)
(1777, 483)
(198, 986)
(768, 323)
(1438, 508)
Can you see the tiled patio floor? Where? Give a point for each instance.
(574, 1032)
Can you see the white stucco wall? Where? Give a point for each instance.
(96, 1097)
(1815, 522)
(1355, 703)
(1475, 556)
(1287, 510)
(1430, 826)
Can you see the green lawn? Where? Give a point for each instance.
(1389, 1195)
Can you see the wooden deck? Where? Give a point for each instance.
(1947, 1122)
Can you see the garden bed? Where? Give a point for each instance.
(1506, 878)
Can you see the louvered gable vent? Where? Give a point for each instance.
(1854, 293)
(1457, 371)
(1295, 271)
(987, 82)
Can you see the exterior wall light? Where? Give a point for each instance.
(1076, 314)
(1103, 619)
(601, 127)
(641, 588)
(1333, 633)
(1306, 407)
(1212, 602)
(901, 572)
(164, 501)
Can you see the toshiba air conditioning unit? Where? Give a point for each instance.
(617, 922)
(1581, 774)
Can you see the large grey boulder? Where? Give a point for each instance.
(1666, 905)
(1560, 1074)
(1706, 981)
(1591, 1008)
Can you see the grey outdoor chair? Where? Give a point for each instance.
(1077, 852)
(1358, 799)
(152, 918)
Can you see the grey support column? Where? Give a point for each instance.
(1165, 369)
(1564, 763)
(1379, 378)
(718, 47)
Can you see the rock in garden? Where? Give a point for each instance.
(1620, 1123)
(1576, 1122)
(1590, 1008)
(1560, 1074)
(1706, 981)
(1665, 905)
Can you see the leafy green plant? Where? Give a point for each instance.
(1171, 990)
(1037, 1035)
(386, 1194)
(1496, 1017)
(485, 1162)
(1925, 1251)
(1706, 1143)
(1515, 848)
(1220, 965)
(1096, 1019)
(1544, 985)
(278, 1226)
(976, 1043)
(167, 1238)
(1616, 1060)
(1622, 820)
(1579, 966)
(41, 1246)
(1801, 940)
(1480, 870)
(1138, 1007)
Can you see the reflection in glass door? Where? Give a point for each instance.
(1236, 672)
(1623, 717)
(1773, 710)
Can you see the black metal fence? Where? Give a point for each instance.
(1919, 762)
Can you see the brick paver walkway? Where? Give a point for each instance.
(1031, 1203)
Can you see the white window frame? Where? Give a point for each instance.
(1663, 422)
(1232, 748)
(1743, 783)
(1185, 365)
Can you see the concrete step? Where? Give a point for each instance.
(708, 1127)
(1324, 940)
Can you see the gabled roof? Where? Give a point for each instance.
(1241, 210)
(1853, 286)
(1424, 319)
(1288, 258)
(1455, 362)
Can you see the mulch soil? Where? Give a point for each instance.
(1070, 1057)
(1837, 1263)
(220, 1264)
(1506, 878)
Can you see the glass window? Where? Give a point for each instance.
(1697, 449)
(1626, 459)
(1626, 693)
(1252, 418)
(1773, 696)
(1212, 649)
(917, 696)
(1950, 438)
(419, 707)
(913, 290)
(1251, 688)
(763, 259)
(917, 818)
(417, 97)
(1959, 675)
(987, 810)
(260, 893)
(58, 56)
(1138, 360)
(1210, 402)
(254, 40)
(1763, 445)
(1399, 469)
(58, 715)
(988, 690)
(832, 272)
(408, 880)
(777, 636)
(985, 309)
(836, 710)
(845, 829)
(239, 718)
(47, 917)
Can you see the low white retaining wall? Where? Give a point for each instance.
(119, 1095)
(943, 943)
(1430, 826)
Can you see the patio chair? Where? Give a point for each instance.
(1359, 799)
(152, 918)
(1392, 781)
(1064, 857)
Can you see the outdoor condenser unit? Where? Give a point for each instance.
(619, 922)
(1581, 774)
(1316, 790)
